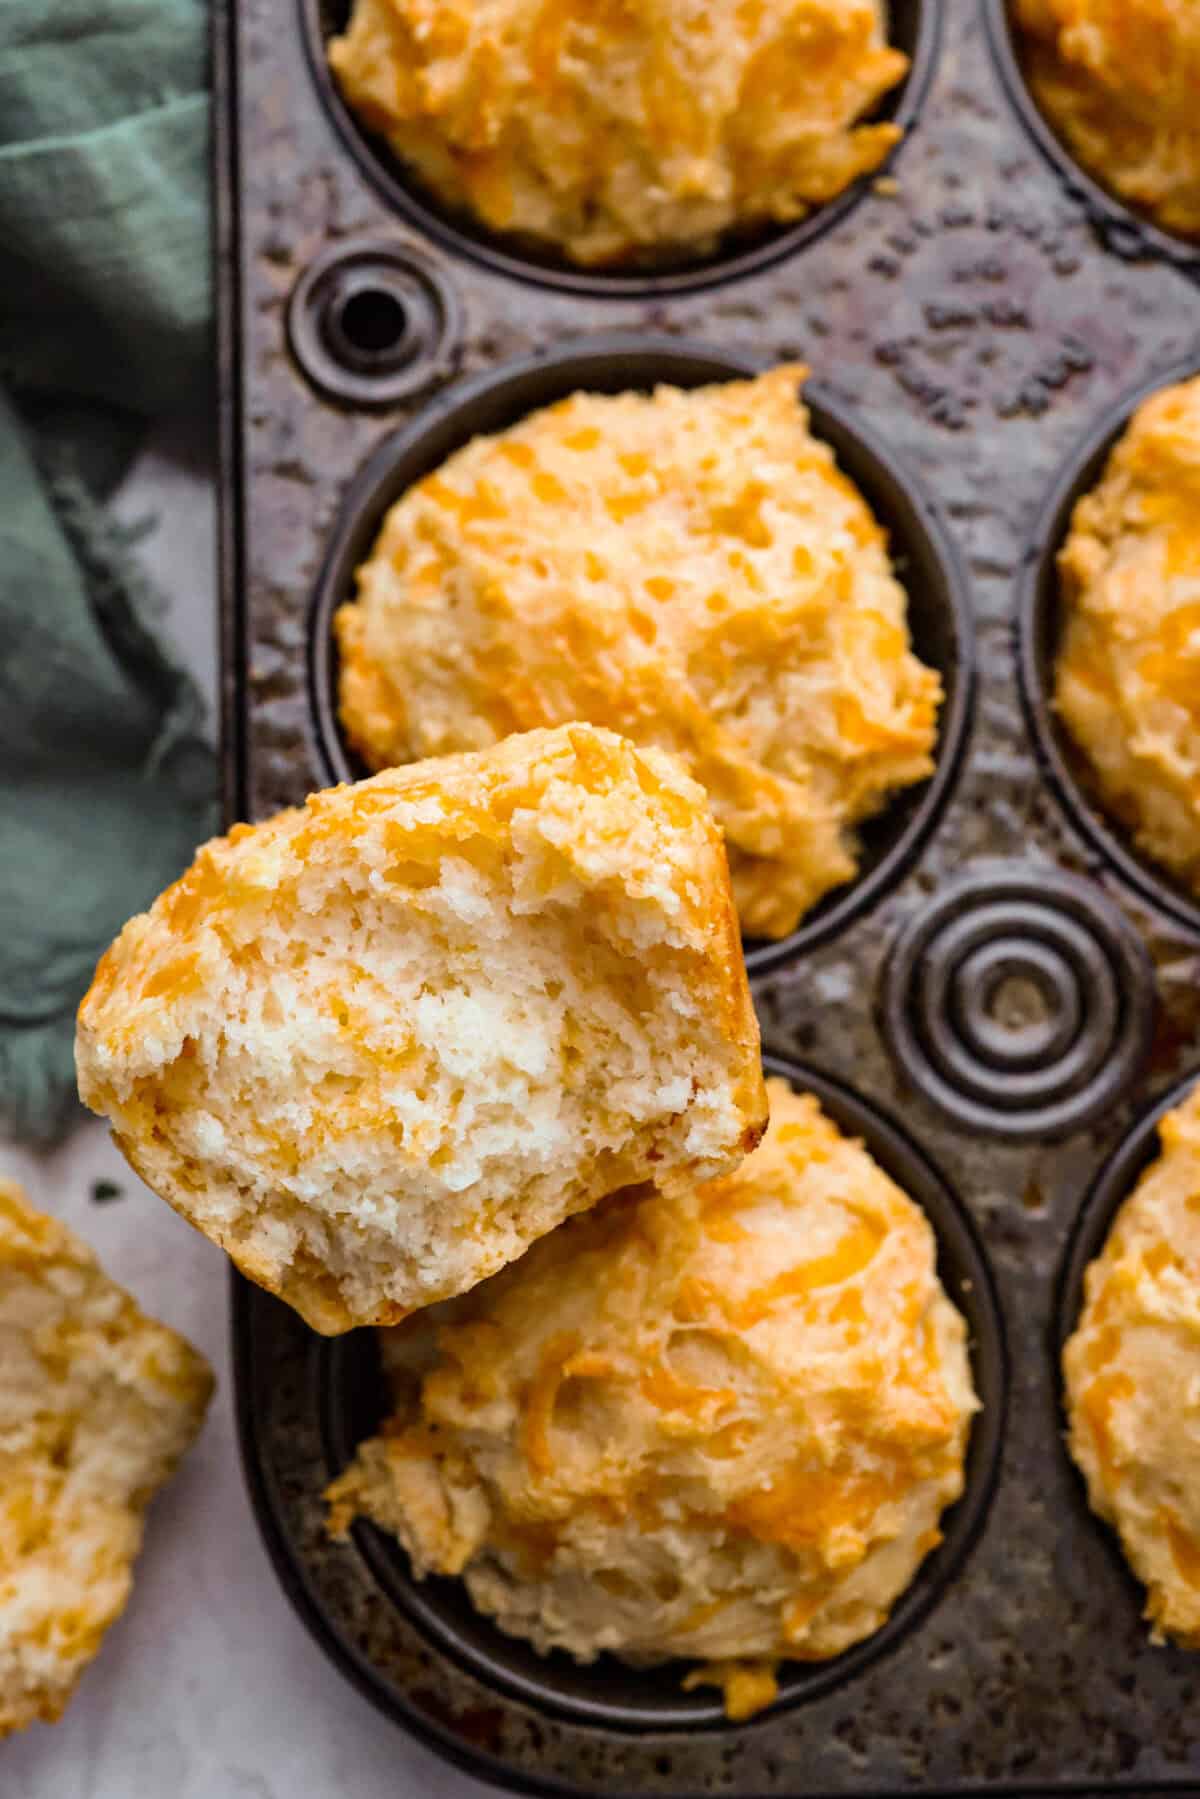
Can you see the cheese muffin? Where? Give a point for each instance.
(376, 1046)
(1118, 80)
(614, 131)
(690, 568)
(720, 1423)
(97, 1405)
(1127, 683)
(1132, 1373)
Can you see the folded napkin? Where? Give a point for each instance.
(106, 783)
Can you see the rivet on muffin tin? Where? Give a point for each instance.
(1125, 233)
(914, 26)
(1038, 632)
(372, 323)
(1019, 1002)
(939, 613)
(347, 1386)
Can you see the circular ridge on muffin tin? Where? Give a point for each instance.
(1082, 1045)
(928, 568)
(347, 1387)
(1061, 762)
(914, 27)
(1123, 230)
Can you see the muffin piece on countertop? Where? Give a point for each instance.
(376, 1046)
(1128, 670)
(690, 568)
(97, 1405)
(1132, 1373)
(721, 1423)
(617, 133)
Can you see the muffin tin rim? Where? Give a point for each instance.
(1038, 607)
(926, 800)
(1117, 222)
(903, 1158)
(460, 239)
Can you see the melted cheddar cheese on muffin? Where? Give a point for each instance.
(1119, 80)
(374, 1046)
(1133, 1379)
(690, 568)
(610, 129)
(719, 1423)
(97, 1404)
(1128, 668)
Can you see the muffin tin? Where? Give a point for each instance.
(1007, 975)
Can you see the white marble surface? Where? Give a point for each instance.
(208, 1687)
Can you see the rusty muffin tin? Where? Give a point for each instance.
(1007, 976)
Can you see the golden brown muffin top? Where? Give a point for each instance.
(690, 568)
(1128, 668)
(374, 1046)
(1133, 1379)
(719, 1423)
(610, 129)
(97, 1404)
(1119, 80)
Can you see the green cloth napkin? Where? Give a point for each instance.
(107, 784)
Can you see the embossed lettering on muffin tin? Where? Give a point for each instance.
(607, 1693)
(938, 610)
(914, 27)
(1038, 631)
(1123, 230)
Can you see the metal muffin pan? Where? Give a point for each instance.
(966, 337)
(939, 614)
(914, 28)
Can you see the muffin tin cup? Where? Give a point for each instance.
(1123, 230)
(1038, 634)
(1112, 1186)
(927, 566)
(914, 27)
(345, 1392)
